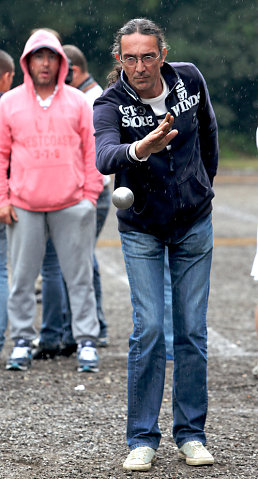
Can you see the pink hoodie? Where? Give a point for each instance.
(52, 150)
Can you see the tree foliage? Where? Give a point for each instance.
(219, 37)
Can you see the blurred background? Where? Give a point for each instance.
(219, 36)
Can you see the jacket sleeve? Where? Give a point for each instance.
(208, 131)
(93, 184)
(112, 155)
(5, 149)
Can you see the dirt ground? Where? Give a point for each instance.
(51, 430)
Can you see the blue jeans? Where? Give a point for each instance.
(4, 290)
(190, 263)
(55, 302)
(168, 313)
(103, 205)
(57, 316)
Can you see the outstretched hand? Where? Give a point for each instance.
(157, 139)
(8, 215)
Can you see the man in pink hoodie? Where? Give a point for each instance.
(46, 125)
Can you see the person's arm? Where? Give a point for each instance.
(7, 213)
(93, 184)
(112, 154)
(208, 131)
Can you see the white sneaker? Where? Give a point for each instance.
(140, 459)
(87, 357)
(35, 343)
(195, 454)
(255, 371)
(20, 358)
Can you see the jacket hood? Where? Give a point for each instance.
(44, 39)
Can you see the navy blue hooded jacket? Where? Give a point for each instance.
(173, 188)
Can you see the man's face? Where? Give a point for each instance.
(145, 79)
(44, 67)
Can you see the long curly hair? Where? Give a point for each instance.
(136, 25)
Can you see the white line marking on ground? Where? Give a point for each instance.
(228, 211)
(112, 271)
(220, 346)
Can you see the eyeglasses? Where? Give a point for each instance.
(147, 60)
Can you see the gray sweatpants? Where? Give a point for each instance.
(73, 233)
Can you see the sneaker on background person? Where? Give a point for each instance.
(102, 340)
(20, 358)
(87, 357)
(67, 349)
(45, 351)
(35, 342)
(42, 350)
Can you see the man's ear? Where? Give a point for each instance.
(76, 71)
(163, 56)
(117, 57)
(6, 76)
(6, 81)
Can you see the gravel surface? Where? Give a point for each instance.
(50, 429)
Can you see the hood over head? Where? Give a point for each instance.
(44, 39)
(45, 46)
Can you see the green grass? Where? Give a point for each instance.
(237, 152)
(239, 162)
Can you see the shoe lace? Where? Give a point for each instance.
(196, 445)
(88, 353)
(139, 452)
(20, 352)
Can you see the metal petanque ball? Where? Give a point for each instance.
(122, 198)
